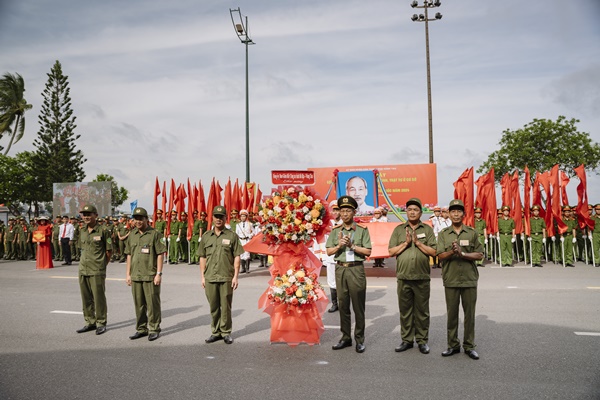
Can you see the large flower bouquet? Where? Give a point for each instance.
(296, 287)
(294, 215)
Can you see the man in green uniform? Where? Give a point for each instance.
(234, 219)
(350, 244)
(160, 224)
(174, 232)
(95, 255)
(57, 256)
(75, 241)
(144, 248)
(506, 231)
(538, 236)
(194, 239)
(412, 243)
(481, 229)
(595, 235)
(122, 233)
(569, 236)
(183, 242)
(9, 240)
(219, 253)
(2, 233)
(458, 248)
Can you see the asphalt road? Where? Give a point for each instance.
(537, 331)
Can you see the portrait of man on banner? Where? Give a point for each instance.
(362, 187)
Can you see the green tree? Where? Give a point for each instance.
(12, 108)
(18, 182)
(56, 158)
(540, 145)
(118, 195)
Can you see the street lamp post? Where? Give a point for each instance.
(427, 4)
(240, 25)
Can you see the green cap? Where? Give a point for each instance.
(89, 208)
(414, 201)
(219, 210)
(347, 202)
(456, 204)
(140, 212)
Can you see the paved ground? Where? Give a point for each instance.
(535, 334)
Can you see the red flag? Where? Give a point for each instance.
(545, 182)
(486, 199)
(227, 201)
(583, 212)
(505, 185)
(172, 195)
(212, 203)
(463, 190)
(562, 227)
(564, 181)
(236, 198)
(250, 191)
(181, 196)
(526, 201)
(164, 200)
(201, 202)
(218, 190)
(258, 198)
(156, 193)
(537, 195)
(190, 213)
(516, 205)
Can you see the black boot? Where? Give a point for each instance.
(334, 301)
(242, 266)
(247, 266)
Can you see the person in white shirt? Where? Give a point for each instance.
(329, 261)
(66, 233)
(245, 231)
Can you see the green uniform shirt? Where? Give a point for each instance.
(175, 225)
(480, 226)
(456, 271)
(144, 249)
(196, 228)
(94, 245)
(55, 231)
(537, 225)
(572, 224)
(233, 223)
(161, 226)
(220, 252)
(412, 264)
(506, 226)
(359, 235)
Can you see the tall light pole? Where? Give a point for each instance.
(427, 4)
(240, 25)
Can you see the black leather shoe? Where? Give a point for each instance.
(100, 330)
(86, 328)
(403, 347)
(424, 349)
(472, 354)
(360, 348)
(228, 339)
(342, 344)
(153, 336)
(333, 308)
(138, 335)
(213, 338)
(450, 352)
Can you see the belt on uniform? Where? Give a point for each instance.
(350, 264)
(506, 233)
(536, 233)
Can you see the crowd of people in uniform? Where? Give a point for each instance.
(147, 245)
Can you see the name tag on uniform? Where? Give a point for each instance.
(96, 238)
(464, 242)
(226, 241)
(145, 250)
(349, 255)
(421, 236)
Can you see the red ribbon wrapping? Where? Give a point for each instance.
(295, 324)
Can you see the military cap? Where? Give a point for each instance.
(566, 208)
(414, 201)
(219, 210)
(334, 205)
(456, 204)
(42, 217)
(140, 212)
(535, 207)
(173, 212)
(597, 205)
(195, 212)
(477, 209)
(242, 212)
(437, 208)
(504, 208)
(89, 208)
(159, 211)
(234, 211)
(203, 213)
(347, 202)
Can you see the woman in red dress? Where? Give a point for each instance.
(43, 236)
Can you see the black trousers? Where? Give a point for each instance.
(66, 248)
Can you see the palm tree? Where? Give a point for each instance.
(12, 107)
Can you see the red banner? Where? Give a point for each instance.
(293, 177)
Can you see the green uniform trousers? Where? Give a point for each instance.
(183, 249)
(351, 287)
(123, 257)
(481, 239)
(468, 297)
(596, 246)
(537, 249)
(194, 249)
(506, 249)
(57, 256)
(569, 258)
(413, 302)
(220, 297)
(10, 251)
(146, 298)
(93, 297)
(173, 250)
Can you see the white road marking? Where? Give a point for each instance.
(512, 287)
(587, 333)
(66, 312)
(593, 287)
(331, 326)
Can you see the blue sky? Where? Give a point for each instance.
(158, 87)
